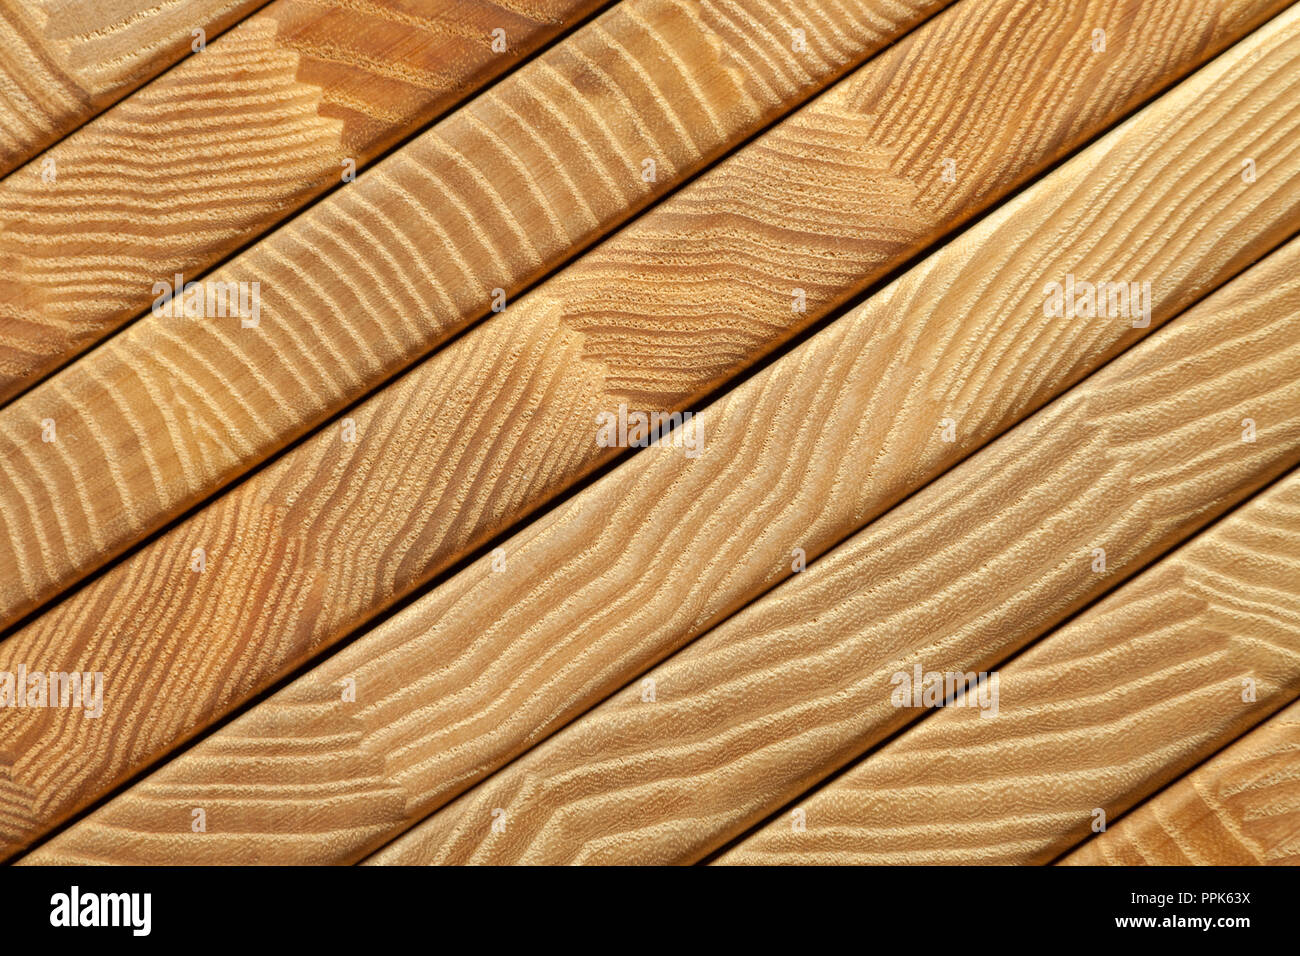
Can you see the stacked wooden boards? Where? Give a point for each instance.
(295, 99)
(802, 679)
(831, 436)
(370, 280)
(1242, 807)
(63, 63)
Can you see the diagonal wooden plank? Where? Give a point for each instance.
(491, 662)
(1241, 808)
(218, 150)
(972, 569)
(1090, 721)
(61, 63)
(374, 277)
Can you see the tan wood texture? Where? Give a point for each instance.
(1240, 808)
(63, 61)
(505, 189)
(219, 149)
(491, 662)
(963, 574)
(1094, 718)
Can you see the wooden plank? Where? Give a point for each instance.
(1094, 718)
(63, 62)
(1241, 808)
(227, 144)
(970, 570)
(490, 663)
(375, 276)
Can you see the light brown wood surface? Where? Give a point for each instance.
(372, 278)
(66, 60)
(1241, 808)
(1095, 717)
(967, 572)
(491, 662)
(212, 154)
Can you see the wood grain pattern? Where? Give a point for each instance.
(63, 62)
(375, 276)
(227, 144)
(1241, 808)
(1097, 716)
(970, 570)
(490, 663)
